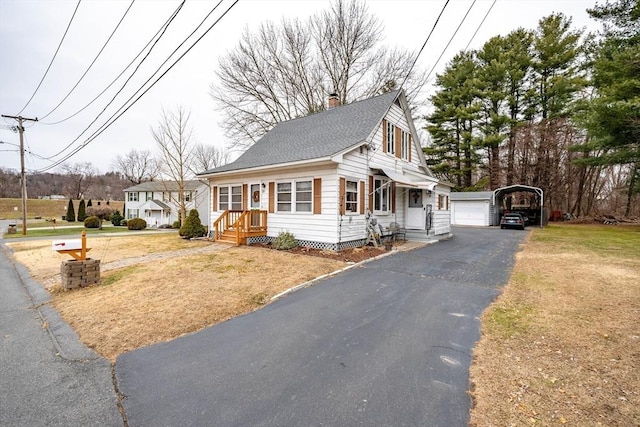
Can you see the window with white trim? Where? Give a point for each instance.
(391, 138)
(381, 195)
(229, 197)
(351, 196)
(405, 145)
(294, 196)
(132, 197)
(133, 213)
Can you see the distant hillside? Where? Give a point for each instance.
(110, 185)
(45, 208)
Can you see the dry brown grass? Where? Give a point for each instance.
(561, 345)
(44, 263)
(153, 302)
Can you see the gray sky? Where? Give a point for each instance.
(30, 31)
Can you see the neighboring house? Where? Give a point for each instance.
(318, 176)
(157, 202)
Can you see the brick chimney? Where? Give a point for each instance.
(334, 101)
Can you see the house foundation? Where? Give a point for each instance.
(79, 274)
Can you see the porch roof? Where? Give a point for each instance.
(402, 180)
(155, 205)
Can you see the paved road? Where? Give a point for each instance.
(46, 381)
(385, 344)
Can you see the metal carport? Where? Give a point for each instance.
(500, 193)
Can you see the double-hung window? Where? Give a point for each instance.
(294, 196)
(391, 138)
(381, 195)
(229, 197)
(405, 147)
(351, 196)
(133, 196)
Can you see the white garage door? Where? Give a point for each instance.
(470, 212)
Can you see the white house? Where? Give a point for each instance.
(158, 202)
(318, 176)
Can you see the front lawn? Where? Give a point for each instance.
(561, 344)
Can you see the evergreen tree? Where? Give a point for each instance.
(192, 227)
(89, 204)
(71, 213)
(82, 215)
(452, 154)
(613, 118)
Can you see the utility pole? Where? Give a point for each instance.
(23, 175)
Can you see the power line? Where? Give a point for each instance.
(113, 120)
(481, 23)
(92, 62)
(127, 81)
(424, 44)
(52, 59)
(162, 30)
(450, 40)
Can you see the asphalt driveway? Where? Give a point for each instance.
(386, 344)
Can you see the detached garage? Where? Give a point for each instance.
(472, 208)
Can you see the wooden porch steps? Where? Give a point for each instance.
(228, 236)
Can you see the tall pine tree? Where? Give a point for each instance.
(71, 213)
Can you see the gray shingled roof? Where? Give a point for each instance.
(315, 136)
(164, 186)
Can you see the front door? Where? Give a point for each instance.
(415, 210)
(254, 202)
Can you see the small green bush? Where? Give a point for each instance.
(136, 224)
(116, 218)
(192, 226)
(176, 224)
(91, 222)
(285, 241)
(123, 222)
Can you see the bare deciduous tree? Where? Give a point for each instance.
(173, 136)
(79, 178)
(207, 157)
(136, 166)
(282, 72)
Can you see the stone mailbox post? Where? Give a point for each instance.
(80, 271)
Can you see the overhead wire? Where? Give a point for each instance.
(161, 31)
(423, 45)
(52, 59)
(481, 23)
(435, 64)
(112, 119)
(126, 12)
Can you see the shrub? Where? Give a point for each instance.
(116, 218)
(82, 213)
(123, 222)
(92, 222)
(102, 212)
(176, 224)
(136, 224)
(284, 241)
(71, 213)
(192, 226)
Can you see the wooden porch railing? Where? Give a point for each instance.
(242, 224)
